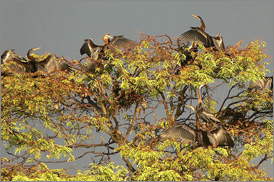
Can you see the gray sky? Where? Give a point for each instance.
(61, 26)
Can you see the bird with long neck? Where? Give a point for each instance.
(32, 60)
(213, 137)
(202, 27)
(110, 43)
(217, 136)
(204, 113)
(198, 34)
(197, 122)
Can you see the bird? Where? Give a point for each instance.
(198, 34)
(95, 51)
(204, 113)
(31, 65)
(217, 136)
(49, 64)
(17, 63)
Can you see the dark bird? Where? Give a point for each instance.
(31, 65)
(204, 113)
(49, 64)
(217, 135)
(17, 63)
(214, 137)
(198, 34)
(95, 51)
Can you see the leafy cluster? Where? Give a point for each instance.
(116, 108)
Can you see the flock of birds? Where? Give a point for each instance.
(211, 134)
(53, 63)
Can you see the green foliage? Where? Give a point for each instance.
(118, 109)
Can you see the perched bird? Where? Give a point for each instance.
(17, 63)
(49, 64)
(31, 65)
(198, 34)
(217, 136)
(95, 51)
(214, 137)
(204, 113)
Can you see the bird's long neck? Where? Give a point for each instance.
(30, 57)
(199, 96)
(202, 24)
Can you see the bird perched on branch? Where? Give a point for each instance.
(216, 136)
(95, 51)
(17, 63)
(198, 34)
(31, 65)
(204, 113)
(49, 64)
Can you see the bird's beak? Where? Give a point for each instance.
(34, 49)
(109, 37)
(195, 16)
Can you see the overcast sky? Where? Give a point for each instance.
(61, 26)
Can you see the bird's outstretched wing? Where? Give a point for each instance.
(221, 136)
(194, 35)
(46, 65)
(184, 132)
(18, 66)
(120, 42)
(91, 49)
(85, 49)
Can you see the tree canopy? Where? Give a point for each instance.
(117, 107)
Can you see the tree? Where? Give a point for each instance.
(120, 107)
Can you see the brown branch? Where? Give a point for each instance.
(131, 125)
(180, 103)
(261, 161)
(128, 164)
(165, 104)
(89, 145)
